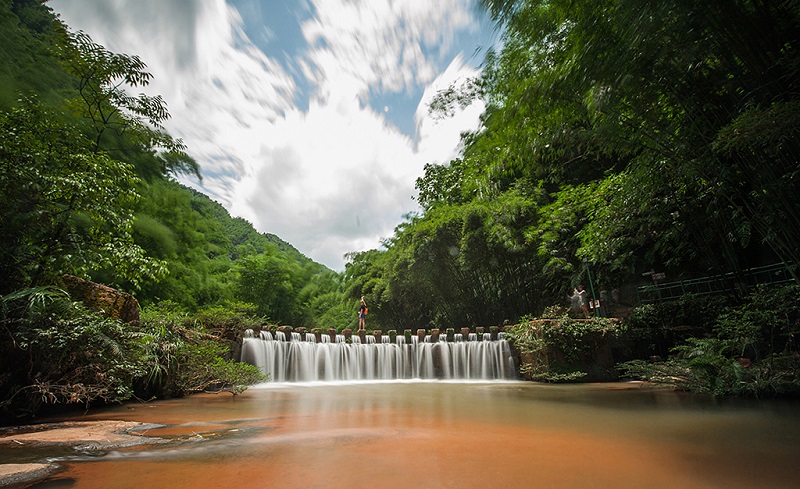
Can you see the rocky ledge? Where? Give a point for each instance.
(83, 435)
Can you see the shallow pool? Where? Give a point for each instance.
(450, 434)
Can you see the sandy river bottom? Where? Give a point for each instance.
(438, 435)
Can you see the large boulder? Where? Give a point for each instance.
(107, 300)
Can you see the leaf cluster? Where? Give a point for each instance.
(636, 136)
(752, 351)
(65, 207)
(561, 349)
(58, 353)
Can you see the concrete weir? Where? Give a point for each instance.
(288, 355)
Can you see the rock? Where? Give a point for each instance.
(14, 474)
(92, 434)
(109, 301)
(83, 435)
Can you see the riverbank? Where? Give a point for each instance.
(19, 442)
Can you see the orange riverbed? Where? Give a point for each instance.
(460, 435)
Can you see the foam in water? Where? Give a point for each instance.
(309, 361)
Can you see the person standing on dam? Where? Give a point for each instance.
(362, 314)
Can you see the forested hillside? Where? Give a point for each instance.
(620, 138)
(147, 234)
(88, 188)
(623, 142)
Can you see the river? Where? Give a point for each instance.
(435, 434)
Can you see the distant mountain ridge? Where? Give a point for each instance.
(241, 231)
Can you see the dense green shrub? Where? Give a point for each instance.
(561, 349)
(192, 353)
(688, 311)
(751, 350)
(55, 352)
(654, 329)
(201, 367)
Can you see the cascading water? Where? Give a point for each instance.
(299, 359)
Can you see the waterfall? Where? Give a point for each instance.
(303, 359)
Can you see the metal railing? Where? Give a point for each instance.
(777, 273)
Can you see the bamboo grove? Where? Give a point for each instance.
(619, 137)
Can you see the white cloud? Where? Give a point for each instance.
(333, 178)
(381, 44)
(439, 137)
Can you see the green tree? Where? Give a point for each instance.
(679, 97)
(629, 135)
(458, 265)
(66, 207)
(26, 61)
(270, 281)
(103, 80)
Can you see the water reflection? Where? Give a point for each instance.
(448, 434)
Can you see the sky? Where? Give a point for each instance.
(308, 118)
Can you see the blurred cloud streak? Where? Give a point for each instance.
(330, 174)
